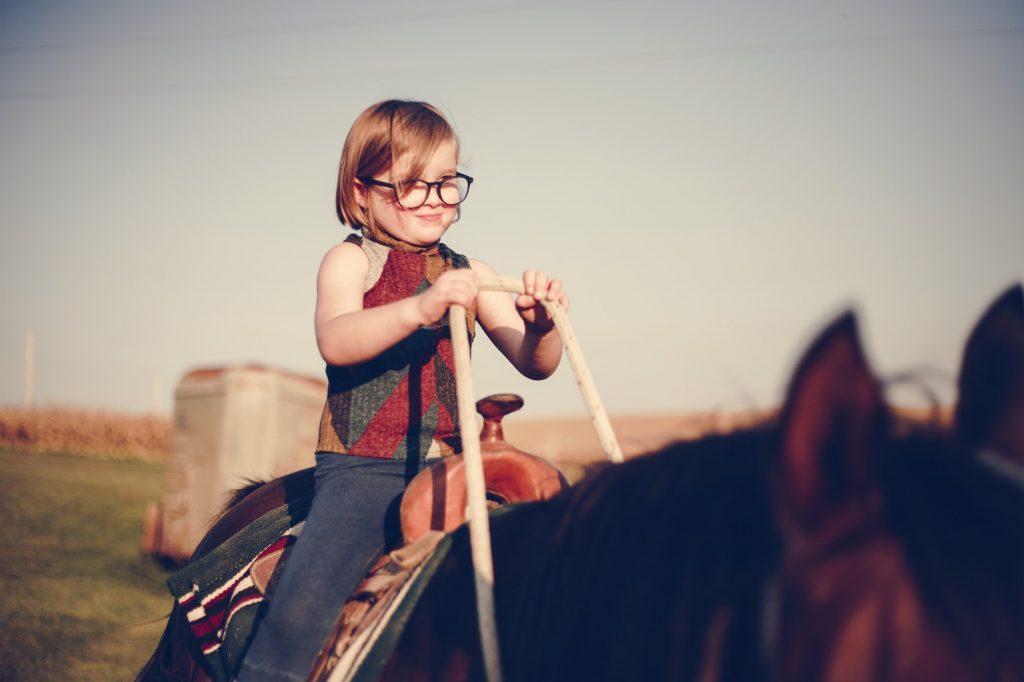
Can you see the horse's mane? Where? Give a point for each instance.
(668, 539)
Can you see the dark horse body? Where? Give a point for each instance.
(836, 543)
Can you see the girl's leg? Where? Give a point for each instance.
(343, 535)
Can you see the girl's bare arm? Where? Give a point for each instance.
(347, 334)
(522, 330)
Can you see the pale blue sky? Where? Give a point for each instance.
(712, 180)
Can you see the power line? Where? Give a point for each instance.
(542, 64)
(295, 28)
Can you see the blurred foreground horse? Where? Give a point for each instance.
(835, 543)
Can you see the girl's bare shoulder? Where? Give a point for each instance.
(343, 267)
(346, 255)
(480, 267)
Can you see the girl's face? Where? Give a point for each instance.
(421, 226)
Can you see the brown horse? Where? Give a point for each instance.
(836, 543)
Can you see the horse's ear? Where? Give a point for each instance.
(831, 428)
(990, 405)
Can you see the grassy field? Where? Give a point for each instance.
(77, 602)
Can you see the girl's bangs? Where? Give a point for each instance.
(418, 137)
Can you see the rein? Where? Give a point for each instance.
(1001, 465)
(479, 528)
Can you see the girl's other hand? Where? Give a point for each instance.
(452, 287)
(538, 286)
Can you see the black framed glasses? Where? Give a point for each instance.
(452, 190)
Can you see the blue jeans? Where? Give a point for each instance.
(354, 517)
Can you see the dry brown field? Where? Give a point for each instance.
(86, 432)
(571, 443)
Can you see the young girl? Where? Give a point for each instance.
(382, 327)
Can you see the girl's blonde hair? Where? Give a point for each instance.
(378, 138)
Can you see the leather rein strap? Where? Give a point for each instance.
(479, 528)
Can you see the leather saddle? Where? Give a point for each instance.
(433, 505)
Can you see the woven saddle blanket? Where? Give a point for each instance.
(220, 594)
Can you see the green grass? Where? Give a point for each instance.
(77, 601)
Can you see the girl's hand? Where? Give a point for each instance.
(455, 286)
(539, 287)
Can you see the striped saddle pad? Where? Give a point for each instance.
(220, 594)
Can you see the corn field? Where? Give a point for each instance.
(85, 432)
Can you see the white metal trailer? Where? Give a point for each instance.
(231, 425)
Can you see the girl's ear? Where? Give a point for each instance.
(360, 193)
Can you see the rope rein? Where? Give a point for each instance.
(479, 527)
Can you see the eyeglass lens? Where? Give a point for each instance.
(413, 193)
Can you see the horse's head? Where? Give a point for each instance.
(902, 554)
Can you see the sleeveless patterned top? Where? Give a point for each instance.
(400, 404)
